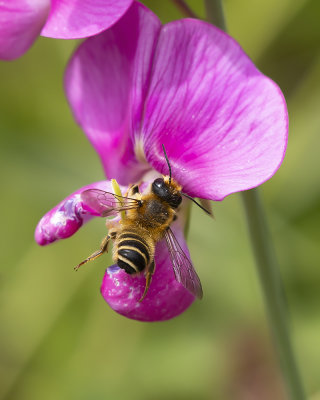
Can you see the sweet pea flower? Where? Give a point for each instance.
(22, 21)
(185, 85)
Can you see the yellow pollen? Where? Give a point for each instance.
(117, 191)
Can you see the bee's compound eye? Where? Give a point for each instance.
(160, 188)
(159, 182)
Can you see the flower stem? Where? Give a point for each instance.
(215, 15)
(272, 288)
(184, 8)
(268, 270)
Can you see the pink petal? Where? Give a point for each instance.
(166, 297)
(68, 216)
(73, 19)
(223, 123)
(106, 82)
(20, 24)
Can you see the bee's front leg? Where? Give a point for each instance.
(96, 254)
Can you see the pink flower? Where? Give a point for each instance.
(21, 21)
(186, 85)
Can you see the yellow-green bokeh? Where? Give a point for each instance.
(58, 338)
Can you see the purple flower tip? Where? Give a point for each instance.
(166, 298)
(63, 222)
(67, 217)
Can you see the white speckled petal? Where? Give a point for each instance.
(68, 216)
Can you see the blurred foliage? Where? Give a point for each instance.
(59, 340)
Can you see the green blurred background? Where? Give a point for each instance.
(58, 338)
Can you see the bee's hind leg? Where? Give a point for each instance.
(96, 254)
(149, 274)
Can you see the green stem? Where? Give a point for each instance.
(184, 8)
(267, 266)
(272, 288)
(215, 15)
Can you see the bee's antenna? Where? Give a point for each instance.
(165, 154)
(199, 205)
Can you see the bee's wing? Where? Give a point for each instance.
(106, 203)
(183, 269)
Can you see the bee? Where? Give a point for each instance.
(147, 220)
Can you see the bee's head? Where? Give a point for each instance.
(167, 190)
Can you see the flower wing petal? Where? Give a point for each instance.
(73, 19)
(223, 123)
(68, 216)
(20, 24)
(166, 297)
(106, 81)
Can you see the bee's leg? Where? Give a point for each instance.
(96, 254)
(149, 274)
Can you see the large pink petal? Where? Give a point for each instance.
(223, 123)
(20, 24)
(166, 297)
(73, 19)
(68, 216)
(106, 81)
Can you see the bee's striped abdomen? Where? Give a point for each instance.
(133, 253)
